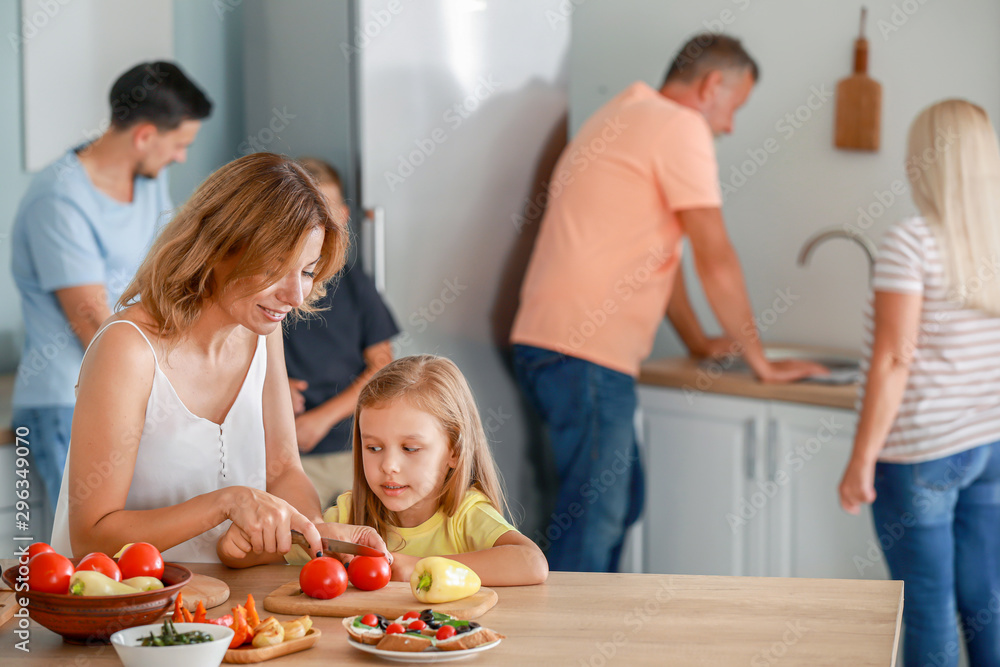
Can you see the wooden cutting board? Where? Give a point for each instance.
(209, 590)
(392, 602)
(859, 103)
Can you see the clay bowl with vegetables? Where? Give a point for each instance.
(100, 606)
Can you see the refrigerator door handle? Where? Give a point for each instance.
(375, 219)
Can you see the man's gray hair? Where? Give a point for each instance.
(710, 51)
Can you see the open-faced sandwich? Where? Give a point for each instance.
(467, 634)
(418, 631)
(367, 629)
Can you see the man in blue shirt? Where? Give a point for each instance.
(80, 233)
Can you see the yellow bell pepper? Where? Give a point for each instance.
(436, 579)
(122, 550)
(144, 583)
(91, 582)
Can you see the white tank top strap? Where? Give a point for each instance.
(76, 387)
(136, 326)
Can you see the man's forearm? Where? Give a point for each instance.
(86, 308)
(683, 318)
(341, 406)
(722, 280)
(85, 330)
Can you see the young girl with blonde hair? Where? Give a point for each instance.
(927, 448)
(424, 477)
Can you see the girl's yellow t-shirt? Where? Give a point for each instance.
(476, 525)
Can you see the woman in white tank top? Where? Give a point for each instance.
(184, 435)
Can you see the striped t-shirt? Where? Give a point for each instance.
(952, 397)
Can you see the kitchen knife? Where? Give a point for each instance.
(331, 546)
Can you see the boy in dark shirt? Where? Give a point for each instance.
(331, 356)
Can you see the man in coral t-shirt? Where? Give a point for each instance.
(640, 174)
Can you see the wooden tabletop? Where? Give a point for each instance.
(599, 619)
(692, 375)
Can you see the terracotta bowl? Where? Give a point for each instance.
(82, 619)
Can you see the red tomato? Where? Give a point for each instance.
(445, 631)
(49, 572)
(394, 629)
(39, 548)
(370, 620)
(141, 559)
(416, 625)
(323, 578)
(102, 563)
(369, 573)
(411, 614)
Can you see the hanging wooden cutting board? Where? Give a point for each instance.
(859, 103)
(209, 590)
(392, 602)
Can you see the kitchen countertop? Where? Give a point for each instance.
(693, 375)
(629, 619)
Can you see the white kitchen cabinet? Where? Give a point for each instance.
(741, 486)
(692, 490)
(811, 534)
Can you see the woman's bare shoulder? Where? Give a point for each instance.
(123, 348)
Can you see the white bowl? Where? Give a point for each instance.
(206, 654)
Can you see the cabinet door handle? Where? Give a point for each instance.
(750, 455)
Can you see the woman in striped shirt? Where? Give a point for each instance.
(927, 448)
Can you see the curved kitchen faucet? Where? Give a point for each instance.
(840, 232)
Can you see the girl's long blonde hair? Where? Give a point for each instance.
(433, 385)
(953, 164)
(259, 208)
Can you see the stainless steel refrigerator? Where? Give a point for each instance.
(446, 116)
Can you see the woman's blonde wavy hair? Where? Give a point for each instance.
(433, 385)
(259, 208)
(953, 164)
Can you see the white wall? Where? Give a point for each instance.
(937, 50)
(207, 45)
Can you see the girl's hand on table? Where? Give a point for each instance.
(402, 567)
(234, 543)
(358, 534)
(267, 522)
(857, 486)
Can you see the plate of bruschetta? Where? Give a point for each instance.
(420, 636)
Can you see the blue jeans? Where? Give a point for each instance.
(48, 442)
(938, 523)
(588, 412)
